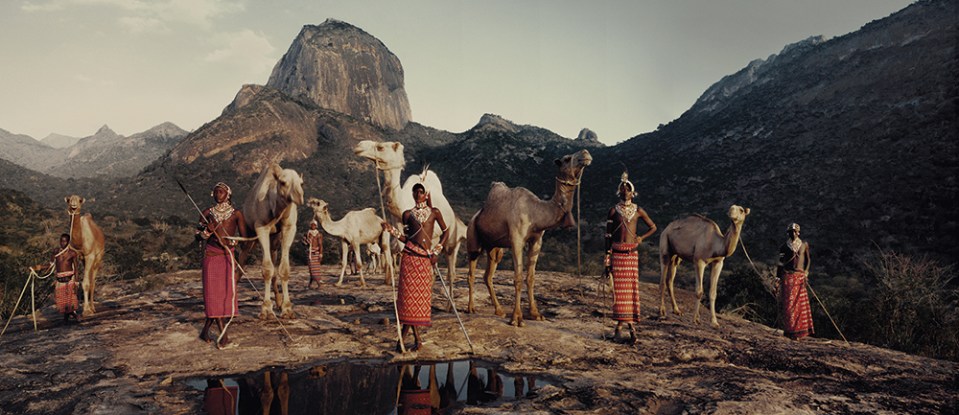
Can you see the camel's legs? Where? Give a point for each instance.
(494, 256)
(266, 395)
(533, 256)
(664, 263)
(263, 236)
(359, 263)
(713, 281)
(700, 269)
(288, 235)
(674, 265)
(470, 278)
(517, 245)
(387, 259)
(283, 393)
(345, 250)
(451, 270)
(89, 281)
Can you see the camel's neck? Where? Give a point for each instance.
(552, 211)
(76, 231)
(732, 238)
(391, 192)
(331, 226)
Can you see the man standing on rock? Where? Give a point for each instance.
(622, 257)
(65, 263)
(219, 266)
(314, 242)
(792, 272)
(415, 289)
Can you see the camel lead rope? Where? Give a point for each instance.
(579, 206)
(827, 311)
(436, 268)
(396, 310)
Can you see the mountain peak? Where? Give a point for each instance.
(587, 135)
(491, 122)
(338, 66)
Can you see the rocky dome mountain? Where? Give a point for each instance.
(340, 67)
(104, 154)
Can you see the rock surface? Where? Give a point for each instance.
(136, 354)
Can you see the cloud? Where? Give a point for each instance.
(154, 14)
(138, 25)
(243, 49)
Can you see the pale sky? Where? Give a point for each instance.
(619, 68)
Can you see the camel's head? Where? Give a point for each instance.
(738, 214)
(74, 203)
(387, 154)
(289, 184)
(320, 208)
(572, 165)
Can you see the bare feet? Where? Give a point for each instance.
(204, 336)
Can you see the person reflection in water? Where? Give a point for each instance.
(219, 399)
(413, 400)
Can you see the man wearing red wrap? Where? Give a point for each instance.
(219, 266)
(792, 272)
(622, 256)
(65, 263)
(415, 289)
(313, 239)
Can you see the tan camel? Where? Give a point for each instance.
(86, 238)
(514, 218)
(270, 212)
(389, 158)
(697, 239)
(354, 229)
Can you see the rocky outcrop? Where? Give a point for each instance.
(340, 67)
(588, 136)
(24, 150)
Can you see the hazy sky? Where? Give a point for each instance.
(619, 68)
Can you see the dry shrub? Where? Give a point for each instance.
(914, 305)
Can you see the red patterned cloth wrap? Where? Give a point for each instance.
(65, 293)
(315, 255)
(415, 291)
(221, 401)
(625, 264)
(219, 283)
(415, 402)
(797, 316)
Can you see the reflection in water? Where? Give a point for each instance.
(365, 387)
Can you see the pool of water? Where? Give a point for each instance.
(366, 387)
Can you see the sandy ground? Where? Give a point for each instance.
(134, 354)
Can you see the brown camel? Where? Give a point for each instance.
(270, 211)
(697, 239)
(514, 218)
(389, 158)
(86, 238)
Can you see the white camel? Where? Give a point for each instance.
(376, 258)
(270, 212)
(354, 229)
(389, 158)
(697, 239)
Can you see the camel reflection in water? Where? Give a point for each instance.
(351, 387)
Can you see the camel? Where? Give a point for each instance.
(270, 212)
(354, 229)
(86, 238)
(514, 218)
(376, 258)
(389, 158)
(698, 239)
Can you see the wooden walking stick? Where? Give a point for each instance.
(396, 310)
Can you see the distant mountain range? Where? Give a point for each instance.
(853, 137)
(103, 154)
